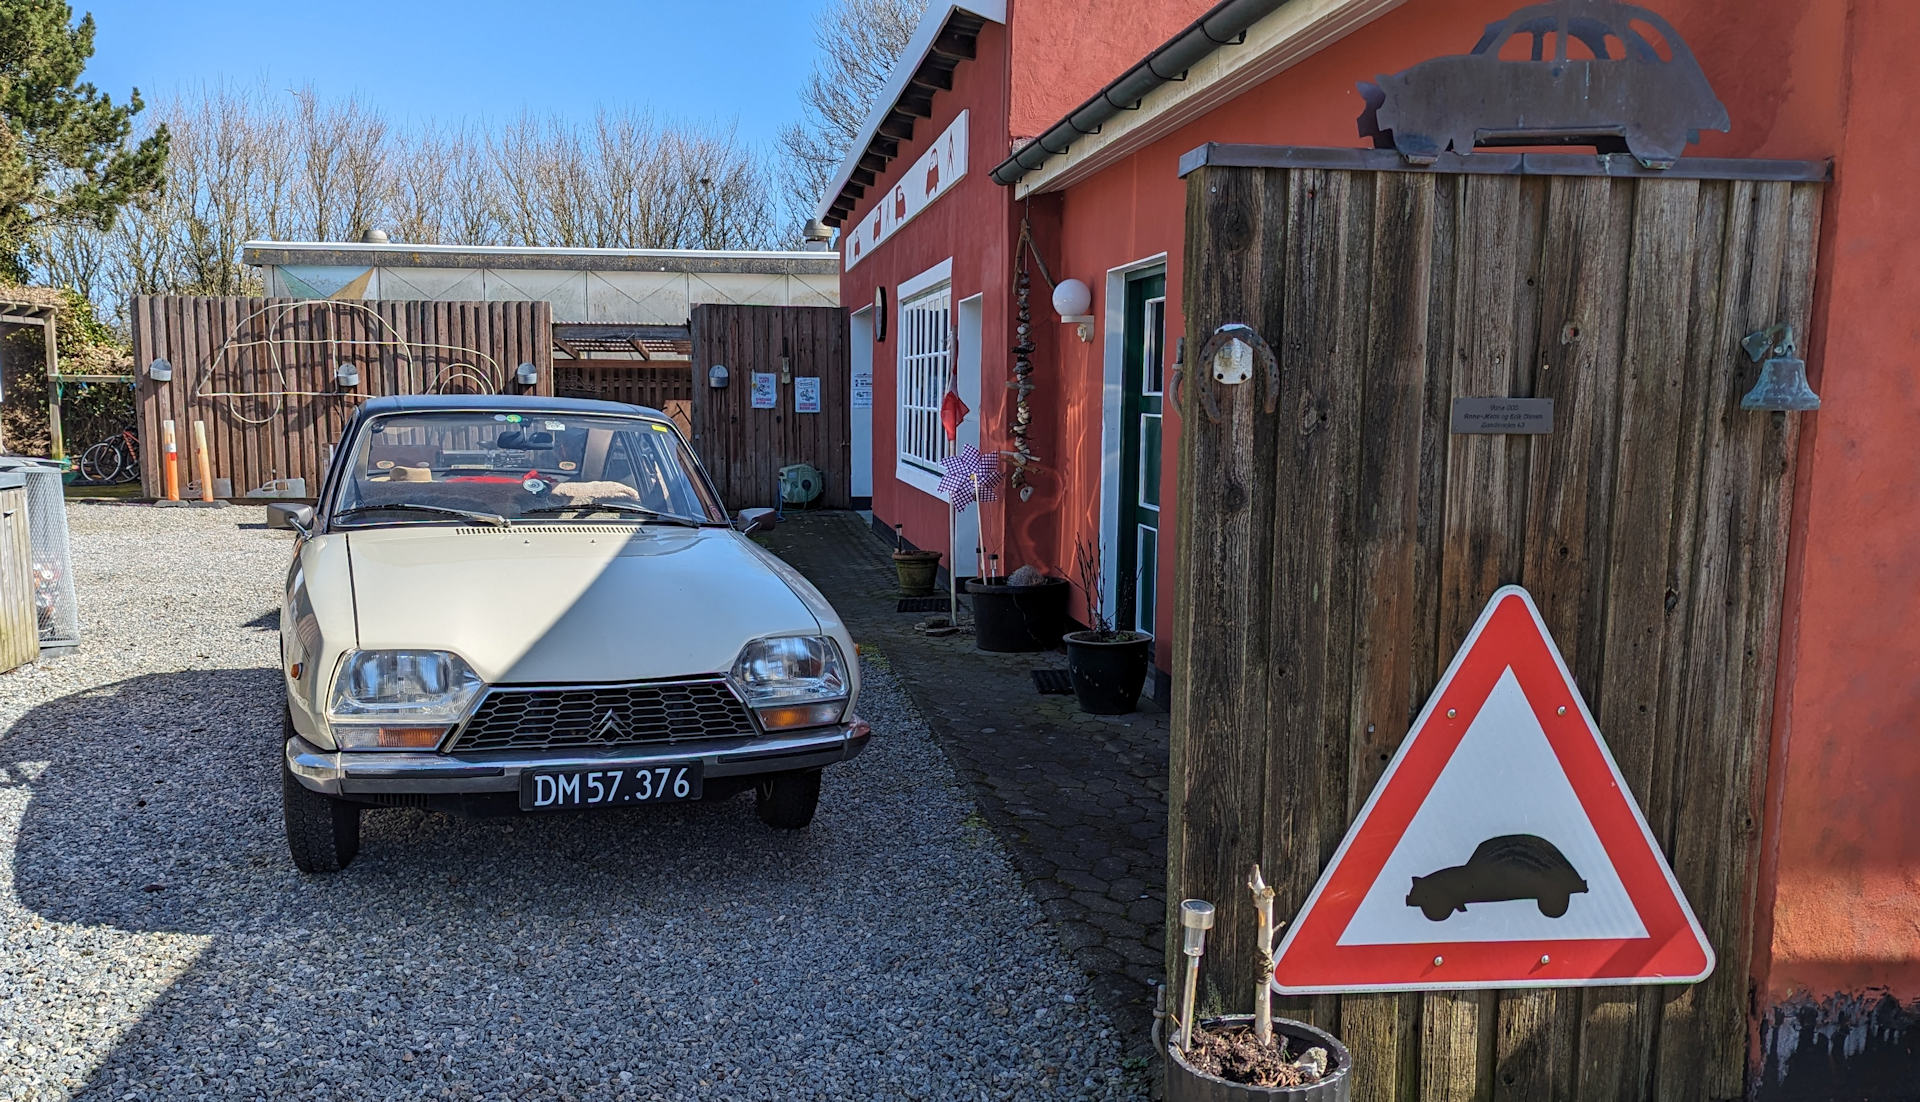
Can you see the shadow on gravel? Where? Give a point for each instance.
(516, 943)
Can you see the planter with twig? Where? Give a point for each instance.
(1246, 1056)
(1108, 667)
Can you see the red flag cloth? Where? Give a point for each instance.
(952, 412)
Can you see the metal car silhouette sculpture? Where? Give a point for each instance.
(1512, 866)
(1623, 93)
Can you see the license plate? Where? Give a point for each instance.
(614, 787)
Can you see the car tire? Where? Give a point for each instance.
(323, 833)
(787, 801)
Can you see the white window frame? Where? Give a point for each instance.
(922, 375)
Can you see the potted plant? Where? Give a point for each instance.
(1026, 611)
(1107, 666)
(1250, 1056)
(915, 569)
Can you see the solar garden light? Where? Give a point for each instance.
(1196, 918)
(1263, 997)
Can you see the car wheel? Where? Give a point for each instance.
(323, 833)
(788, 800)
(1553, 906)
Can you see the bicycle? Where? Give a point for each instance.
(115, 460)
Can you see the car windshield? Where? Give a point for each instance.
(496, 467)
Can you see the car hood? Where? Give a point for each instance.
(571, 603)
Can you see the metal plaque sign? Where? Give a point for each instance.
(1503, 415)
(806, 394)
(1502, 848)
(863, 390)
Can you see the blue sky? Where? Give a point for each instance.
(439, 60)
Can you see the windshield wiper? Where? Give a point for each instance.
(652, 515)
(494, 519)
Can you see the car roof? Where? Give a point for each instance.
(522, 403)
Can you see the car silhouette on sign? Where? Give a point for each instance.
(1512, 866)
(1626, 92)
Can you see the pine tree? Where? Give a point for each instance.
(65, 151)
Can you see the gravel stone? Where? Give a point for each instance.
(158, 943)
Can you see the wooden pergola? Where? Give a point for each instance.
(14, 313)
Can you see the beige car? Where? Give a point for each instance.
(533, 604)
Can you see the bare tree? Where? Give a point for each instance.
(860, 41)
(250, 162)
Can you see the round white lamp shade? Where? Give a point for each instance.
(1072, 299)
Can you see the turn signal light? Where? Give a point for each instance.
(411, 738)
(788, 717)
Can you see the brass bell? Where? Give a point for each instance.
(1783, 375)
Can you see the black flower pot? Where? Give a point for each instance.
(1011, 618)
(1107, 673)
(1185, 1084)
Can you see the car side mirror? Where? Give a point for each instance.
(287, 514)
(749, 521)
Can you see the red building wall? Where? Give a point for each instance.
(970, 224)
(1838, 966)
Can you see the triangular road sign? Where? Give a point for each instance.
(1500, 849)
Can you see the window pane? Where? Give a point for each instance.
(1154, 346)
(1150, 460)
(1149, 570)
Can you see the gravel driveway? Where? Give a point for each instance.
(157, 943)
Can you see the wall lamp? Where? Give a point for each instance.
(1073, 300)
(717, 376)
(526, 375)
(347, 375)
(160, 371)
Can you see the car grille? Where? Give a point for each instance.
(592, 717)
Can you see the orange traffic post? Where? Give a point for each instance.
(201, 467)
(171, 460)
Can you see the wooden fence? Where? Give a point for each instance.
(1337, 542)
(744, 448)
(260, 372)
(667, 387)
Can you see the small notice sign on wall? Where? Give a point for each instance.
(806, 394)
(765, 389)
(1503, 415)
(863, 390)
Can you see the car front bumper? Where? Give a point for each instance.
(394, 773)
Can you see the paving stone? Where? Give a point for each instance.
(1079, 800)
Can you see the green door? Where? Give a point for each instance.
(1142, 380)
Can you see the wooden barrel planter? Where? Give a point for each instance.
(1185, 1084)
(917, 571)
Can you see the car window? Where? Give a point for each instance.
(514, 464)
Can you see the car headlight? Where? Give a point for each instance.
(793, 681)
(400, 699)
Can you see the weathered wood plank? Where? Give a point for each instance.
(1321, 344)
(1484, 511)
(1580, 281)
(1388, 656)
(1218, 722)
(1616, 1044)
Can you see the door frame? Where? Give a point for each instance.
(859, 421)
(1112, 409)
(968, 326)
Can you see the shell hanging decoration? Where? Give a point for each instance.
(1022, 455)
